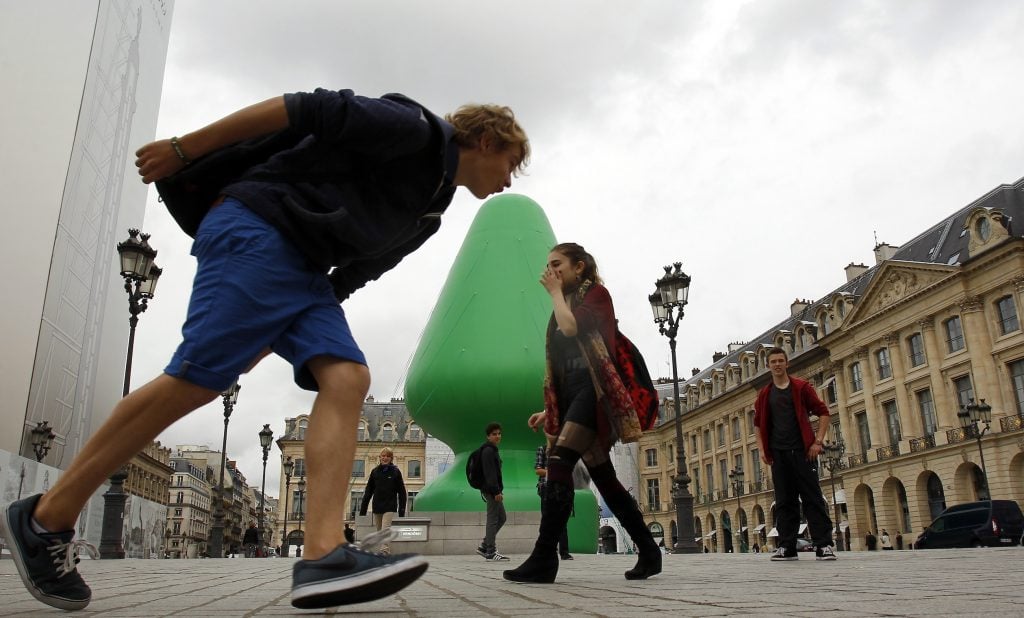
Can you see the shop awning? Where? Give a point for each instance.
(743, 529)
(844, 525)
(802, 528)
(759, 527)
(698, 539)
(710, 534)
(773, 532)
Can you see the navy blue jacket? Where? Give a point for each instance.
(387, 489)
(365, 189)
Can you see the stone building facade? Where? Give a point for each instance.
(381, 423)
(149, 473)
(188, 511)
(898, 352)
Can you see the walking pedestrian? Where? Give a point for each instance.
(492, 493)
(871, 541)
(899, 540)
(790, 446)
(251, 541)
(277, 252)
(387, 490)
(886, 542)
(581, 384)
(540, 466)
(350, 534)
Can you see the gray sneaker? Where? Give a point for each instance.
(46, 562)
(350, 575)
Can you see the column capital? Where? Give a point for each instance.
(1018, 283)
(927, 323)
(892, 338)
(861, 353)
(970, 304)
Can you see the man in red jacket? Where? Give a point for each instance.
(790, 446)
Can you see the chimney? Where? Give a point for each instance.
(797, 306)
(884, 251)
(855, 270)
(694, 371)
(735, 345)
(717, 356)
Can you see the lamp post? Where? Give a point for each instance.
(140, 277)
(230, 398)
(42, 439)
(736, 477)
(667, 304)
(969, 416)
(266, 437)
(289, 466)
(301, 512)
(834, 461)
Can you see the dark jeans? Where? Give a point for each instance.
(796, 481)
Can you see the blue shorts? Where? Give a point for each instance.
(253, 290)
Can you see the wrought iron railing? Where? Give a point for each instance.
(919, 444)
(857, 460)
(1011, 423)
(888, 452)
(956, 435)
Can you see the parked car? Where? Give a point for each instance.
(988, 523)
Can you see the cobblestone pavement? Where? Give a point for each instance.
(967, 582)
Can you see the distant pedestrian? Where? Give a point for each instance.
(871, 541)
(540, 466)
(350, 534)
(791, 447)
(387, 490)
(251, 540)
(492, 493)
(756, 548)
(899, 540)
(886, 543)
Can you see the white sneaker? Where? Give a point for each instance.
(825, 553)
(496, 557)
(781, 554)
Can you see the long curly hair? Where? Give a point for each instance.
(576, 254)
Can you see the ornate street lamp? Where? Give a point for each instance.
(140, 277)
(834, 461)
(736, 478)
(266, 438)
(667, 303)
(289, 466)
(230, 397)
(300, 508)
(969, 416)
(42, 439)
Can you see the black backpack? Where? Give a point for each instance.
(189, 193)
(475, 467)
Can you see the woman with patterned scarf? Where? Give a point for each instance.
(585, 404)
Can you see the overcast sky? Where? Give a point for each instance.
(762, 144)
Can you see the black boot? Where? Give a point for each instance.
(625, 509)
(542, 565)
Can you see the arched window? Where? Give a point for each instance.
(414, 432)
(361, 434)
(389, 432)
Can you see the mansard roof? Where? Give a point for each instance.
(944, 243)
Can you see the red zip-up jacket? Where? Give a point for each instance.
(805, 402)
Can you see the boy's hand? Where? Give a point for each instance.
(157, 160)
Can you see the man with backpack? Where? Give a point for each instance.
(489, 467)
(279, 249)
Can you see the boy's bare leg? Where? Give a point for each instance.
(136, 421)
(330, 448)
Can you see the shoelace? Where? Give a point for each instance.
(65, 555)
(376, 539)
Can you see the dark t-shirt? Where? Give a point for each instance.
(785, 428)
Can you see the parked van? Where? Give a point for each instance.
(988, 523)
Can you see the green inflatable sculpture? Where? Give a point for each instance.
(481, 359)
